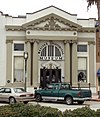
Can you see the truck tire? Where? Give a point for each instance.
(38, 98)
(69, 100)
(80, 102)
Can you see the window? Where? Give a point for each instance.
(82, 48)
(18, 69)
(2, 90)
(7, 90)
(50, 50)
(43, 53)
(82, 69)
(18, 47)
(19, 90)
(57, 52)
(65, 86)
(50, 86)
(56, 86)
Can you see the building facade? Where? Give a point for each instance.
(97, 61)
(61, 48)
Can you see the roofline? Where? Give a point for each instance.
(53, 7)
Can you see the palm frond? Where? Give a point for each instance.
(91, 2)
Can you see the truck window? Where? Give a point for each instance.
(50, 86)
(64, 86)
(56, 86)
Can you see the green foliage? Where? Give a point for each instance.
(27, 110)
(97, 113)
(81, 112)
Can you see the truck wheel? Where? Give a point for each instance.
(38, 98)
(69, 100)
(80, 102)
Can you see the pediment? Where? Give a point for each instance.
(51, 22)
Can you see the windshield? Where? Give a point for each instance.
(19, 90)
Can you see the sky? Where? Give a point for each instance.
(21, 7)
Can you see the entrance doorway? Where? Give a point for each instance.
(48, 76)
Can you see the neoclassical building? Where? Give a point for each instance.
(61, 48)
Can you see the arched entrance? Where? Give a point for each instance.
(50, 55)
(48, 76)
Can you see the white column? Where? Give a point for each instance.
(9, 60)
(91, 64)
(66, 61)
(74, 64)
(35, 63)
(29, 71)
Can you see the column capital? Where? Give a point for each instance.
(9, 41)
(70, 41)
(27, 41)
(66, 41)
(37, 41)
(91, 42)
(32, 41)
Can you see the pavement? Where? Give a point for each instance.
(95, 98)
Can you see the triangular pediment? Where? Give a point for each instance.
(51, 22)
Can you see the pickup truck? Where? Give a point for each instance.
(64, 92)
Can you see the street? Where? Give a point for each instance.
(62, 106)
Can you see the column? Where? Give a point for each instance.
(74, 64)
(35, 63)
(29, 70)
(9, 60)
(91, 64)
(66, 61)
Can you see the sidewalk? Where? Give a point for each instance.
(95, 98)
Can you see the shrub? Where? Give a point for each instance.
(27, 110)
(97, 113)
(80, 112)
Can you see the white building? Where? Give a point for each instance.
(61, 48)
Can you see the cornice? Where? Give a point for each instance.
(14, 28)
(86, 29)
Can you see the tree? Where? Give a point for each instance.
(97, 2)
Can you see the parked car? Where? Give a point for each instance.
(63, 91)
(13, 95)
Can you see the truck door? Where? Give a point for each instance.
(64, 90)
(51, 92)
(55, 91)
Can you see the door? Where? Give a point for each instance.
(48, 76)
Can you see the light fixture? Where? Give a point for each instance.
(25, 58)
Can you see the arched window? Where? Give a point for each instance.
(57, 52)
(43, 52)
(51, 52)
